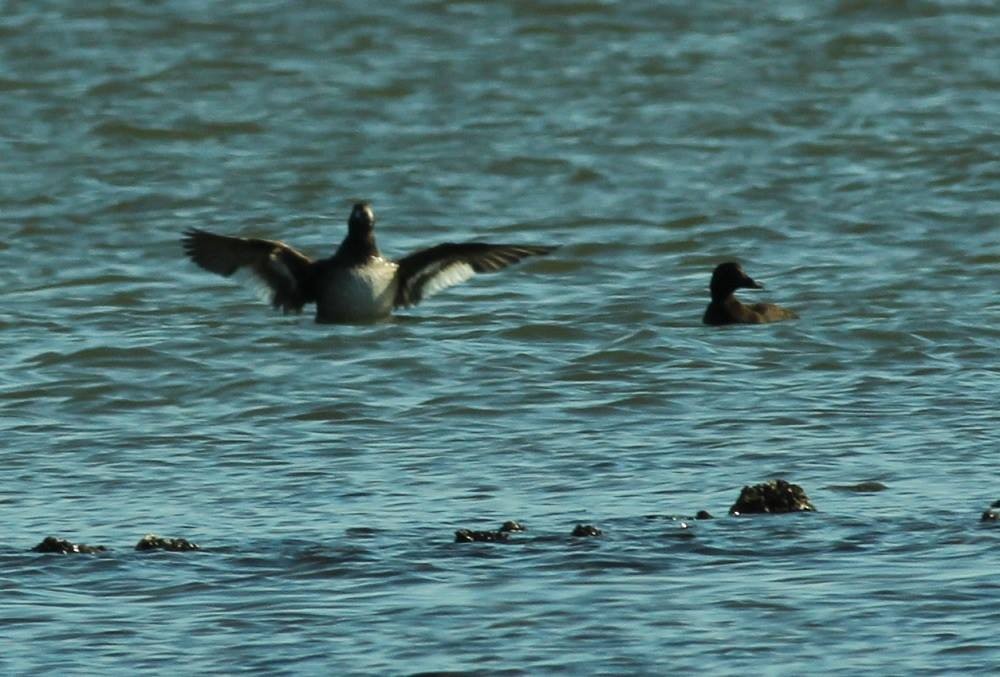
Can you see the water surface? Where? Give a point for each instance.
(846, 152)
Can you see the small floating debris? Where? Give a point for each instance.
(776, 496)
(64, 547)
(154, 542)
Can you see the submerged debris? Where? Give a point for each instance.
(154, 542)
(776, 496)
(866, 487)
(64, 547)
(471, 536)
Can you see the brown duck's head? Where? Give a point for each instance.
(728, 277)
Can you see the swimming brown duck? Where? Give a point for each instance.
(725, 308)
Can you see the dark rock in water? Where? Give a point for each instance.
(775, 496)
(992, 514)
(154, 542)
(703, 515)
(498, 536)
(53, 544)
(585, 531)
(470, 536)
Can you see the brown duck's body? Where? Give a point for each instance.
(725, 308)
(731, 311)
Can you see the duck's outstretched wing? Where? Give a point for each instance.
(287, 273)
(428, 271)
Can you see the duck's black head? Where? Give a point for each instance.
(359, 243)
(362, 220)
(728, 277)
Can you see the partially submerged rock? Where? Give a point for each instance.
(498, 536)
(511, 526)
(64, 547)
(472, 536)
(586, 531)
(154, 542)
(992, 514)
(776, 496)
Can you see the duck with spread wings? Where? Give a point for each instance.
(356, 284)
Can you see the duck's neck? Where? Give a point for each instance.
(723, 295)
(358, 247)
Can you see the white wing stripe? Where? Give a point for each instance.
(434, 278)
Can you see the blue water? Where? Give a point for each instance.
(846, 152)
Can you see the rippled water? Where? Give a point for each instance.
(847, 152)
